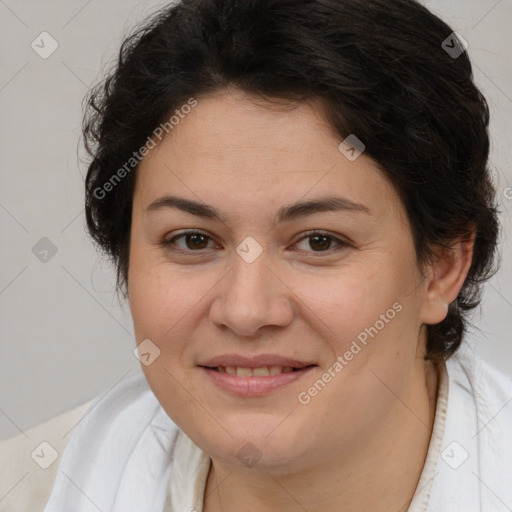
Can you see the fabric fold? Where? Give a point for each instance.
(113, 459)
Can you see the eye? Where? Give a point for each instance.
(320, 241)
(194, 241)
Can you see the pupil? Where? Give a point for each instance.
(320, 237)
(194, 237)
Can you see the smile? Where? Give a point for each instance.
(248, 382)
(263, 371)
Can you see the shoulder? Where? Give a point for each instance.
(474, 459)
(482, 378)
(481, 415)
(30, 462)
(122, 452)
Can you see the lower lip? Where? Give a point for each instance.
(253, 386)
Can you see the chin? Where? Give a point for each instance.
(256, 450)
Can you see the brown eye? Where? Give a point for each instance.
(193, 241)
(321, 242)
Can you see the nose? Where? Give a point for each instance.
(251, 296)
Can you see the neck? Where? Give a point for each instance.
(380, 474)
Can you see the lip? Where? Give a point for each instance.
(253, 386)
(256, 361)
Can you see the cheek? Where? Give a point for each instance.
(370, 324)
(366, 314)
(162, 307)
(157, 304)
(347, 301)
(168, 302)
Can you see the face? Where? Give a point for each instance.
(334, 292)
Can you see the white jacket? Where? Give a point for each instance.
(126, 455)
(474, 470)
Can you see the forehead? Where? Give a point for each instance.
(232, 148)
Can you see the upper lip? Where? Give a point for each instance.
(256, 361)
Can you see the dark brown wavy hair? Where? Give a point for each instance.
(382, 71)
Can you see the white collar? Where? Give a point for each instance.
(188, 480)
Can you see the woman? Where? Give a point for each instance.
(297, 200)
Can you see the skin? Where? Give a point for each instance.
(360, 443)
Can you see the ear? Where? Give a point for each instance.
(445, 279)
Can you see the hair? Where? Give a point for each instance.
(381, 72)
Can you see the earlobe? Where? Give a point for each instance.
(446, 278)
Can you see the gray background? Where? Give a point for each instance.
(65, 338)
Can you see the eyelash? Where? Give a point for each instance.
(167, 244)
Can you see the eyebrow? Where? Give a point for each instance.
(285, 213)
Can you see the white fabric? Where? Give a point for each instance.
(119, 457)
(479, 420)
(24, 484)
(422, 495)
(126, 455)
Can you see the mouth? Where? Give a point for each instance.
(247, 382)
(262, 371)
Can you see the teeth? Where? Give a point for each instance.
(243, 372)
(261, 372)
(264, 371)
